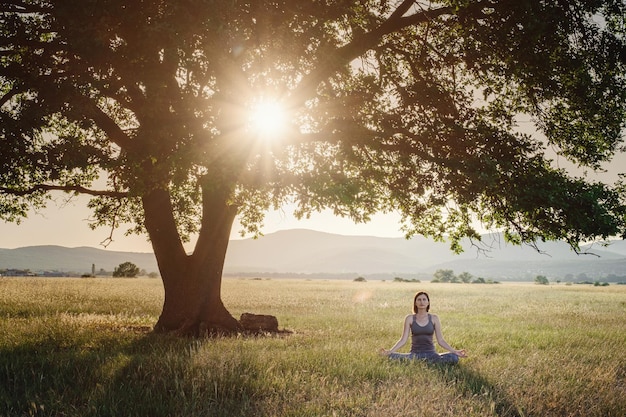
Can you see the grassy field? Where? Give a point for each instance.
(83, 347)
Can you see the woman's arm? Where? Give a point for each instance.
(405, 336)
(442, 341)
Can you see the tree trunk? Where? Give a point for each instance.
(193, 304)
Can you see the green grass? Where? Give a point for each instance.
(83, 347)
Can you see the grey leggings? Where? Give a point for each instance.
(434, 357)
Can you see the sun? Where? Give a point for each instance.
(268, 119)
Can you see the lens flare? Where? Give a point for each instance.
(268, 119)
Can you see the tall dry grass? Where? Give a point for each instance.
(82, 347)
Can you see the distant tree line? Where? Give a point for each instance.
(447, 275)
(130, 270)
(583, 278)
(543, 280)
(126, 269)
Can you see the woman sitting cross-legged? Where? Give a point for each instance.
(422, 325)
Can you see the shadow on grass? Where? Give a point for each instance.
(113, 375)
(470, 383)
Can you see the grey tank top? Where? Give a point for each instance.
(422, 336)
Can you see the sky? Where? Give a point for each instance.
(65, 224)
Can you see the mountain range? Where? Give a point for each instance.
(300, 251)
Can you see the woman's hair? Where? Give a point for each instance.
(415, 301)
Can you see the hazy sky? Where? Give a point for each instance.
(66, 224)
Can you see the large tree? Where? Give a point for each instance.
(406, 106)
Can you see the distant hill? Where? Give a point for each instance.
(301, 251)
(77, 260)
(306, 251)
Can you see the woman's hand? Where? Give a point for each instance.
(461, 353)
(384, 352)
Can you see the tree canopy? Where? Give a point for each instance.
(126, 270)
(393, 105)
(388, 105)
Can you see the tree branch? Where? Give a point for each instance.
(339, 57)
(102, 120)
(9, 95)
(21, 7)
(66, 188)
(401, 9)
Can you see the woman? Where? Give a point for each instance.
(422, 325)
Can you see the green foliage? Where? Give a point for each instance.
(466, 277)
(444, 275)
(448, 276)
(541, 280)
(83, 348)
(126, 270)
(391, 107)
(400, 279)
(481, 280)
